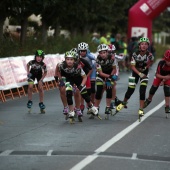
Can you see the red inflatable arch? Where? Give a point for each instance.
(141, 16)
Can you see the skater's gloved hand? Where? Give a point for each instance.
(108, 83)
(141, 75)
(114, 77)
(142, 69)
(56, 78)
(29, 75)
(81, 87)
(62, 84)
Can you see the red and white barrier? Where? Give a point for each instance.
(13, 72)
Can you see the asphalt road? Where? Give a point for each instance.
(40, 142)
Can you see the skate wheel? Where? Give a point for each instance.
(80, 118)
(99, 117)
(166, 116)
(72, 121)
(107, 117)
(140, 117)
(42, 111)
(29, 110)
(66, 117)
(91, 117)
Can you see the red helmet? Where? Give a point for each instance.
(167, 55)
(111, 47)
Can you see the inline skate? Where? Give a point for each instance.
(141, 113)
(71, 117)
(79, 114)
(167, 111)
(29, 106)
(42, 108)
(108, 111)
(65, 112)
(94, 111)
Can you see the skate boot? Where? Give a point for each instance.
(65, 112)
(120, 107)
(117, 101)
(79, 114)
(94, 111)
(71, 117)
(112, 104)
(29, 105)
(141, 113)
(42, 108)
(167, 111)
(146, 103)
(82, 107)
(108, 111)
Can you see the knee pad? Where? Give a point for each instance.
(142, 92)
(144, 82)
(153, 90)
(143, 85)
(69, 94)
(99, 92)
(129, 92)
(109, 93)
(167, 91)
(99, 81)
(132, 81)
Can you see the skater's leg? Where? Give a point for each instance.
(30, 89)
(63, 95)
(41, 91)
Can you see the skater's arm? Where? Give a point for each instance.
(28, 68)
(167, 77)
(84, 80)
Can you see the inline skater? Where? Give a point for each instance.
(140, 63)
(36, 69)
(106, 68)
(162, 77)
(111, 53)
(75, 76)
(84, 54)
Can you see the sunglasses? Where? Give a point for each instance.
(82, 51)
(110, 52)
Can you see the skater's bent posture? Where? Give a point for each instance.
(36, 69)
(106, 68)
(140, 63)
(74, 76)
(162, 77)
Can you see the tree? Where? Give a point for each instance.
(162, 22)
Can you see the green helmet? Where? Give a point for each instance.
(70, 54)
(40, 53)
(144, 39)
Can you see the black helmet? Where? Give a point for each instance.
(40, 53)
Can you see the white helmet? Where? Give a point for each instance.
(102, 47)
(83, 46)
(74, 50)
(111, 47)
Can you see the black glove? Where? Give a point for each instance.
(56, 78)
(81, 87)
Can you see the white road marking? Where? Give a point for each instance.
(49, 152)
(6, 153)
(134, 156)
(115, 139)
